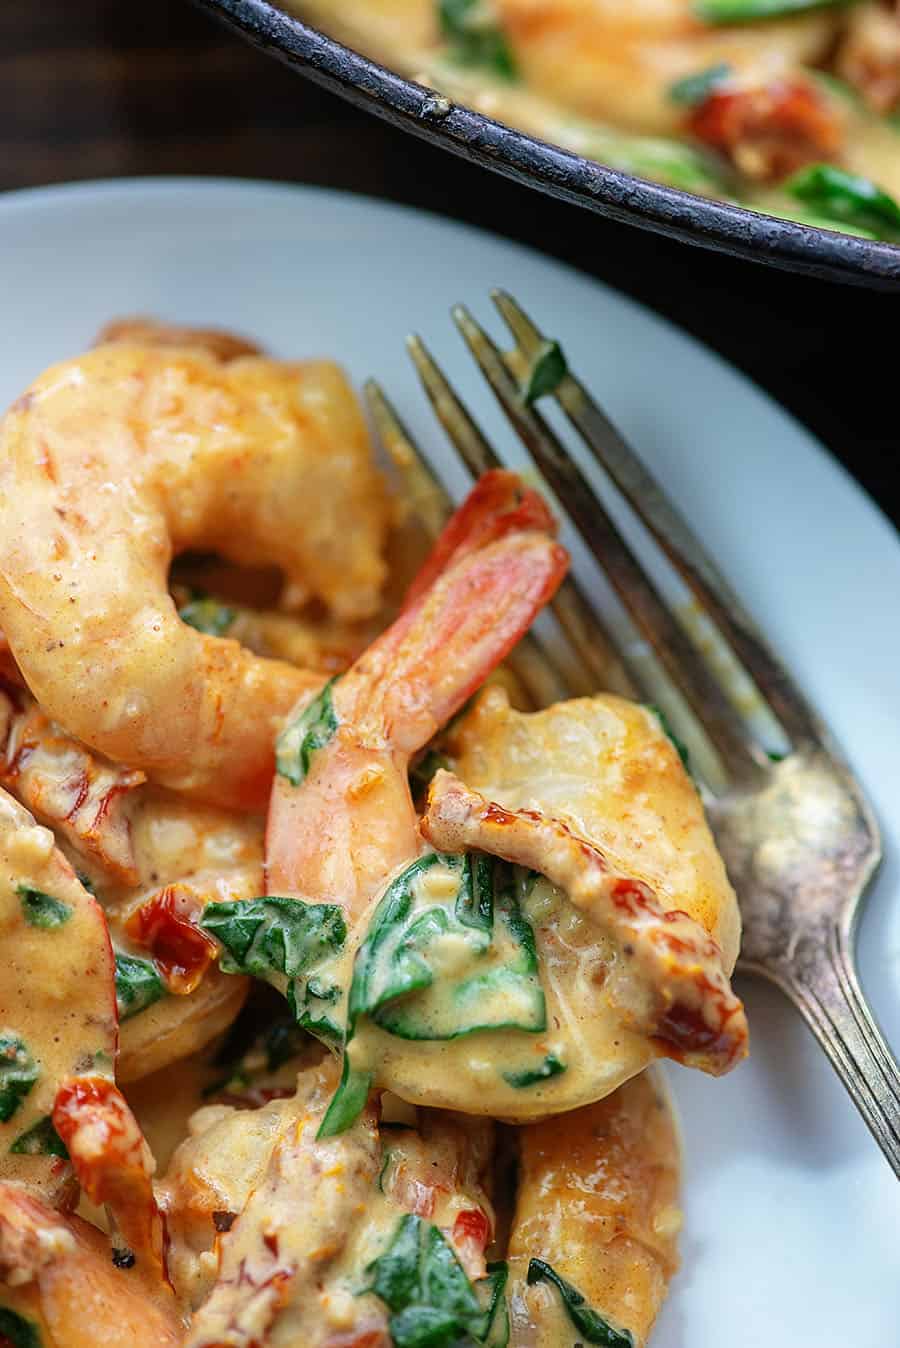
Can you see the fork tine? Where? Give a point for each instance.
(685, 667)
(451, 411)
(432, 505)
(600, 665)
(673, 535)
(426, 495)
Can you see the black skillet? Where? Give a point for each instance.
(623, 197)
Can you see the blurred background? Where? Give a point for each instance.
(97, 88)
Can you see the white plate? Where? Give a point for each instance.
(792, 1215)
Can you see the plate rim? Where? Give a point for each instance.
(17, 199)
(626, 198)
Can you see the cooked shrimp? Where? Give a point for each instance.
(617, 62)
(666, 980)
(272, 1231)
(336, 833)
(597, 1202)
(116, 460)
(59, 1289)
(57, 996)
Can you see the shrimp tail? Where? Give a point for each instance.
(498, 504)
(114, 1166)
(327, 838)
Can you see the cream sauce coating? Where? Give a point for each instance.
(606, 767)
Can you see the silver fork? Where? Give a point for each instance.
(796, 832)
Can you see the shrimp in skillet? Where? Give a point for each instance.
(115, 461)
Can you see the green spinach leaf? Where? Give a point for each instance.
(545, 372)
(592, 1327)
(300, 738)
(283, 941)
(40, 1140)
(475, 37)
(19, 1332)
(138, 985)
(496, 985)
(348, 1101)
(18, 1073)
(432, 1302)
(746, 11)
(42, 910)
(694, 89)
(847, 199)
(550, 1067)
(207, 615)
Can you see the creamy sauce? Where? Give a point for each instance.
(56, 993)
(605, 766)
(594, 78)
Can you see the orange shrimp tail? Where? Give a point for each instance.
(497, 505)
(444, 647)
(114, 1165)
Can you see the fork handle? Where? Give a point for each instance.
(825, 989)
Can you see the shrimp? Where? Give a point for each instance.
(617, 62)
(58, 1043)
(667, 982)
(272, 1231)
(596, 1209)
(337, 832)
(59, 1289)
(113, 462)
(57, 997)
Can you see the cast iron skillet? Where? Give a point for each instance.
(680, 215)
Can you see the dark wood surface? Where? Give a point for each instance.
(98, 88)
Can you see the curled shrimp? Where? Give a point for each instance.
(337, 833)
(113, 462)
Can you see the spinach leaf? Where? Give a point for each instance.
(745, 11)
(848, 199)
(40, 1140)
(18, 1073)
(138, 985)
(300, 738)
(475, 37)
(496, 986)
(550, 1067)
(545, 373)
(496, 981)
(207, 615)
(17, 1331)
(589, 1324)
(694, 89)
(423, 1284)
(42, 910)
(348, 1101)
(282, 941)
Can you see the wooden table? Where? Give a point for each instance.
(97, 88)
